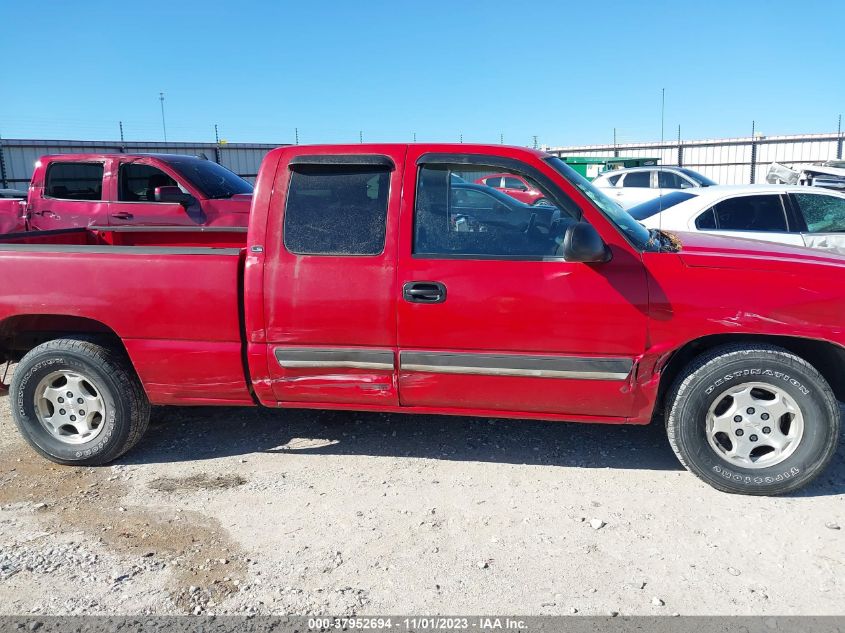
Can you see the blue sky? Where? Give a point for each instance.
(568, 72)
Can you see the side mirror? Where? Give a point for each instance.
(172, 194)
(582, 243)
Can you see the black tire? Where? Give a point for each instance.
(127, 410)
(705, 380)
(541, 202)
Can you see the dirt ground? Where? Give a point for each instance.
(298, 512)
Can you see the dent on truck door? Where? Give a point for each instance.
(500, 321)
(330, 306)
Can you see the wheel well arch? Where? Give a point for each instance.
(20, 333)
(827, 358)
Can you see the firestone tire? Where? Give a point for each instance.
(694, 401)
(101, 379)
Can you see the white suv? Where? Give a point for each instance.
(635, 185)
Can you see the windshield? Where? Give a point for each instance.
(661, 203)
(703, 181)
(213, 180)
(632, 229)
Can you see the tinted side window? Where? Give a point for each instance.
(75, 181)
(494, 182)
(670, 180)
(137, 183)
(751, 213)
(514, 183)
(464, 219)
(637, 179)
(612, 179)
(336, 210)
(706, 220)
(824, 214)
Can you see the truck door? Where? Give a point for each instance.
(492, 318)
(72, 196)
(134, 199)
(330, 277)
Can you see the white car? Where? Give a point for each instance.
(635, 185)
(790, 214)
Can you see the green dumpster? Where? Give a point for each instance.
(592, 166)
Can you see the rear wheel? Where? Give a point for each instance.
(541, 202)
(753, 420)
(78, 402)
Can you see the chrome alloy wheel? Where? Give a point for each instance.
(70, 406)
(754, 425)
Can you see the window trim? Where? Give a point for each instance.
(388, 167)
(342, 160)
(101, 163)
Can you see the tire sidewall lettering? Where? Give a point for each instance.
(745, 373)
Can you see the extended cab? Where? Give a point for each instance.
(370, 280)
(78, 190)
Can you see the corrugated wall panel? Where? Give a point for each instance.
(728, 160)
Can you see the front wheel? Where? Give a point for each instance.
(77, 402)
(753, 420)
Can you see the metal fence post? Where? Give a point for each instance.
(680, 149)
(753, 152)
(3, 166)
(217, 145)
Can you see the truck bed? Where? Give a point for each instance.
(171, 295)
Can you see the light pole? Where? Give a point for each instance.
(163, 125)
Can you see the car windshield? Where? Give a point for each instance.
(661, 203)
(633, 230)
(213, 180)
(703, 181)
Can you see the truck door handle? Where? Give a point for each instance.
(424, 292)
(122, 215)
(45, 213)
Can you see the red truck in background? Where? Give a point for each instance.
(515, 186)
(77, 190)
(365, 282)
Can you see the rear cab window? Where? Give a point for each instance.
(336, 209)
(74, 181)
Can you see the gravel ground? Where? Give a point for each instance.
(298, 512)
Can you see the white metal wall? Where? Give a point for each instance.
(727, 161)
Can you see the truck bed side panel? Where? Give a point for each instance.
(175, 309)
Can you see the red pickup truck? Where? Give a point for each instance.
(369, 279)
(77, 190)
